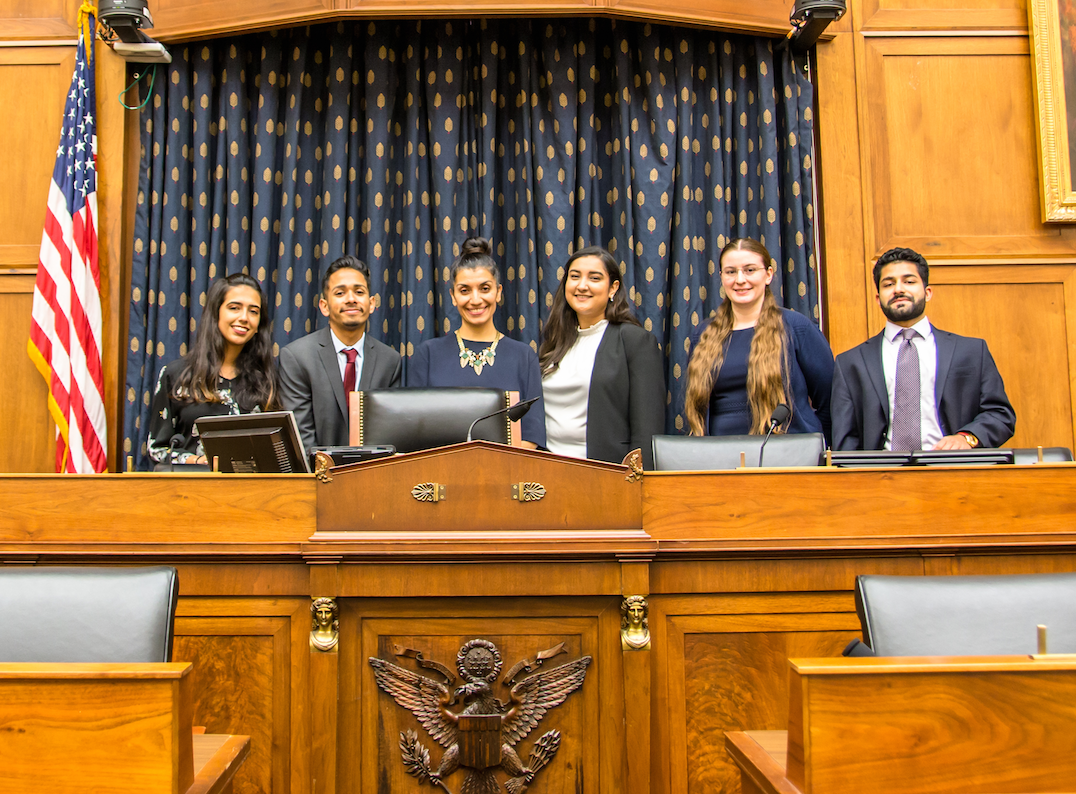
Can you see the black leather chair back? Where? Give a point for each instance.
(966, 615)
(87, 614)
(715, 453)
(416, 419)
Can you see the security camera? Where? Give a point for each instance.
(126, 18)
(810, 18)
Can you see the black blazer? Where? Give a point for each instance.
(311, 386)
(968, 393)
(626, 407)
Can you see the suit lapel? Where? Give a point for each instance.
(873, 355)
(946, 346)
(369, 360)
(327, 354)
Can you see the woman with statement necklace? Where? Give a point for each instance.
(477, 355)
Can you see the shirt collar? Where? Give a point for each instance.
(340, 347)
(892, 329)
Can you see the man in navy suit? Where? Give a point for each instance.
(317, 370)
(920, 388)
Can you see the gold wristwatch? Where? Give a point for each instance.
(973, 442)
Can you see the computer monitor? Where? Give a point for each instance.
(265, 443)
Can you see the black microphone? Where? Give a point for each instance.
(777, 418)
(173, 442)
(515, 413)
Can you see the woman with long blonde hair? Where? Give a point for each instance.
(754, 355)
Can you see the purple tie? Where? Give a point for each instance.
(907, 427)
(349, 369)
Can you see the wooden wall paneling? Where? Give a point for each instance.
(789, 575)
(43, 73)
(460, 579)
(250, 671)
(591, 721)
(324, 722)
(38, 19)
(25, 420)
(993, 564)
(950, 137)
(926, 15)
(177, 20)
(839, 200)
(183, 19)
(759, 16)
(1025, 313)
(726, 671)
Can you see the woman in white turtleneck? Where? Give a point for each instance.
(602, 375)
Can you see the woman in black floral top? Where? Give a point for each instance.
(230, 370)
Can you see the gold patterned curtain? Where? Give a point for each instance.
(276, 153)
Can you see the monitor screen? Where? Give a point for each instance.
(264, 443)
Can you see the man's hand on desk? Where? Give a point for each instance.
(955, 441)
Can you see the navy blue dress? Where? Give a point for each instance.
(810, 378)
(436, 364)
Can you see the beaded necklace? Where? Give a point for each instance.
(476, 361)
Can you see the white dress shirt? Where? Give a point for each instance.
(566, 393)
(341, 359)
(927, 349)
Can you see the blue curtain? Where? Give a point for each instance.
(276, 153)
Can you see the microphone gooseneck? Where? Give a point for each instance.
(779, 416)
(515, 413)
(173, 442)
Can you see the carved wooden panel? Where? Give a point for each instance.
(723, 667)
(944, 14)
(590, 757)
(250, 660)
(950, 148)
(25, 419)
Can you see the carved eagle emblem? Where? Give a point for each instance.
(483, 736)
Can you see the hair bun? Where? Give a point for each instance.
(473, 246)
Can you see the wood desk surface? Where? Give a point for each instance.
(762, 757)
(217, 757)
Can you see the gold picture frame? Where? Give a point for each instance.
(1054, 76)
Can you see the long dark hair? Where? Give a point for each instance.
(562, 328)
(766, 363)
(255, 380)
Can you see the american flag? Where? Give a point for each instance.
(65, 331)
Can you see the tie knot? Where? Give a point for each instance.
(909, 334)
(351, 354)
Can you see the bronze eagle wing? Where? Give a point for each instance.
(535, 695)
(422, 696)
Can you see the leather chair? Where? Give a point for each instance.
(416, 419)
(966, 615)
(87, 614)
(716, 453)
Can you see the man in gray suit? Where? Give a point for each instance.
(317, 371)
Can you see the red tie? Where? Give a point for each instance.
(349, 369)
